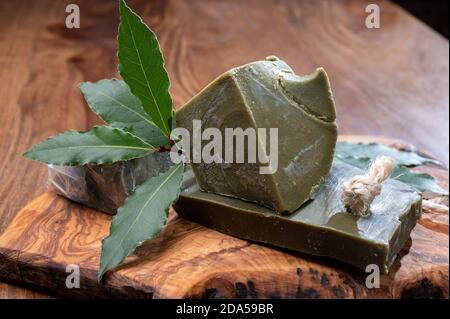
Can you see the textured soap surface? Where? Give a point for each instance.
(267, 94)
(320, 227)
(105, 187)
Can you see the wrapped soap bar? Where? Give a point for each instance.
(267, 94)
(105, 187)
(321, 227)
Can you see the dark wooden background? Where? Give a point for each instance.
(391, 81)
(433, 12)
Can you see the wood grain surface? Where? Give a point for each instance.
(391, 81)
(191, 261)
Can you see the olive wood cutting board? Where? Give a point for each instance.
(190, 261)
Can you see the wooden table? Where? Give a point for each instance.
(391, 81)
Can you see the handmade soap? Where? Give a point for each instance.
(105, 187)
(267, 94)
(321, 227)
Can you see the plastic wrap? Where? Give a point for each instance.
(105, 187)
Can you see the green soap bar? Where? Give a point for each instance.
(105, 187)
(267, 94)
(320, 227)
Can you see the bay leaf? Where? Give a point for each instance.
(100, 145)
(142, 217)
(142, 68)
(113, 101)
(372, 150)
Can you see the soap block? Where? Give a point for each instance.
(105, 187)
(267, 94)
(321, 227)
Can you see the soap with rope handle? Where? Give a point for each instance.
(321, 227)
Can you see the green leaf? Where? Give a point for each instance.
(372, 150)
(360, 162)
(142, 68)
(420, 182)
(100, 145)
(113, 101)
(142, 217)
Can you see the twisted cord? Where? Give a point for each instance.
(360, 191)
